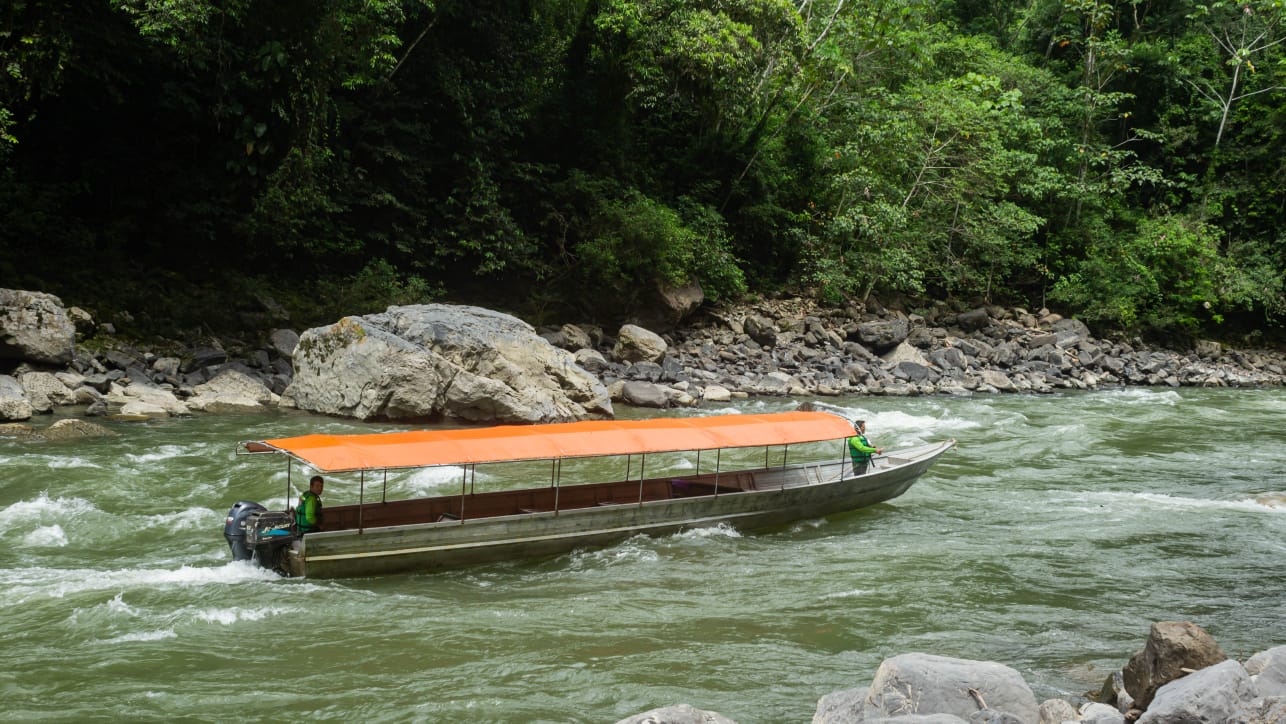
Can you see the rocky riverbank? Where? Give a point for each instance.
(1180, 676)
(438, 361)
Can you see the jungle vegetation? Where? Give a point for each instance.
(1120, 161)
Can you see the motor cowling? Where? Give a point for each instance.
(270, 534)
(239, 523)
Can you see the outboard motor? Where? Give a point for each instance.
(235, 528)
(270, 534)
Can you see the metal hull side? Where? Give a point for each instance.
(432, 546)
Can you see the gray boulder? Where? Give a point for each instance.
(434, 360)
(143, 399)
(1099, 713)
(590, 360)
(925, 684)
(677, 714)
(284, 341)
(35, 327)
(716, 393)
(1265, 710)
(761, 329)
(644, 394)
(14, 404)
(974, 319)
(232, 391)
(998, 380)
(883, 334)
(636, 344)
(575, 338)
(1057, 711)
(671, 304)
(904, 352)
(1172, 646)
(46, 391)
(1268, 670)
(1213, 694)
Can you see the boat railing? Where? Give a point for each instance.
(457, 509)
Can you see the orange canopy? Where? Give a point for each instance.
(423, 448)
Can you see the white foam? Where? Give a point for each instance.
(118, 605)
(229, 616)
(46, 536)
(43, 510)
(1143, 396)
(897, 421)
(63, 463)
(637, 549)
(196, 518)
(710, 411)
(143, 636)
(434, 481)
(164, 452)
(810, 524)
(23, 584)
(722, 530)
(855, 593)
(1254, 504)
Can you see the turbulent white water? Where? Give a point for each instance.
(1049, 540)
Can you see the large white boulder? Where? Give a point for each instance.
(439, 360)
(924, 684)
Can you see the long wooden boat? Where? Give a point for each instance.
(474, 526)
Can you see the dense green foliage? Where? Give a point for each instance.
(568, 158)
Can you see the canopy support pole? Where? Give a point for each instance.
(717, 455)
(642, 465)
(289, 487)
(558, 477)
(464, 487)
(361, 500)
(785, 453)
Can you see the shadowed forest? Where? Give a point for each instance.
(186, 160)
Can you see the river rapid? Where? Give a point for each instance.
(1049, 540)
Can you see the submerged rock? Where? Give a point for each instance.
(72, 429)
(677, 714)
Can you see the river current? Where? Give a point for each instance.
(1053, 536)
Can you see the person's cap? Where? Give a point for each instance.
(857, 424)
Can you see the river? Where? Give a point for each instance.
(1049, 540)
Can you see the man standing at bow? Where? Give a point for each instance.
(861, 449)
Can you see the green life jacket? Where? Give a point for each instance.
(855, 449)
(309, 502)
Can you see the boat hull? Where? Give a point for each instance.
(782, 496)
